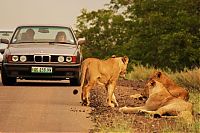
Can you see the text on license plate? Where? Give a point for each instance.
(41, 69)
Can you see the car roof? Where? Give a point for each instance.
(44, 26)
(6, 31)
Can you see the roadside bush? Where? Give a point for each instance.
(140, 72)
(188, 78)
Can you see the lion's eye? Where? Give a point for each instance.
(153, 83)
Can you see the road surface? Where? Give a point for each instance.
(32, 106)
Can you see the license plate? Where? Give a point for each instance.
(41, 69)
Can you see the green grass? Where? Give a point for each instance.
(195, 100)
(181, 127)
(118, 126)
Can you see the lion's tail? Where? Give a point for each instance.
(83, 73)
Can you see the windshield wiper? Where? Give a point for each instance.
(23, 42)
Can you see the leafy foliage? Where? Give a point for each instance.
(161, 33)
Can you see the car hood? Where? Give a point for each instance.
(41, 48)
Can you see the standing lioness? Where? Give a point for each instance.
(103, 72)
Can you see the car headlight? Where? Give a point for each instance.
(23, 58)
(15, 58)
(61, 59)
(68, 59)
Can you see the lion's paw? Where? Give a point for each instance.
(122, 109)
(111, 105)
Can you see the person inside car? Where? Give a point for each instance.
(28, 36)
(61, 37)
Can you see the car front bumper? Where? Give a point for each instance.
(59, 71)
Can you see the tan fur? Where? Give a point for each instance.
(104, 72)
(172, 87)
(161, 102)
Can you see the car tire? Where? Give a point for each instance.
(7, 81)
(75, 82)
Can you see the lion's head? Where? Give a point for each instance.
(153, 86)
(149, 85)
(123, 66)
(161, 77)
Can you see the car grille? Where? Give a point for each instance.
(42, 58)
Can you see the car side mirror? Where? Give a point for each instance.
(81, 41)
(6, 41)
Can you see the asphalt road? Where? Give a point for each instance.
(32, 106)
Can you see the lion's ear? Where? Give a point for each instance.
(159, 74)
(125, 59)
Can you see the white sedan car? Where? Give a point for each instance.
(1, 57)
(2, 48)
(4, 34)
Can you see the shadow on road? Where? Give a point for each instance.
(41, 83)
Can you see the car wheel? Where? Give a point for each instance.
(7, 80)
(75, 82)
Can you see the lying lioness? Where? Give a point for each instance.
(103, 72)
(161, 102)
(171, 86)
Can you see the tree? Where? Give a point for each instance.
(104, 32)
(161, 33)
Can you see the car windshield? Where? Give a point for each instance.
(43, 34)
